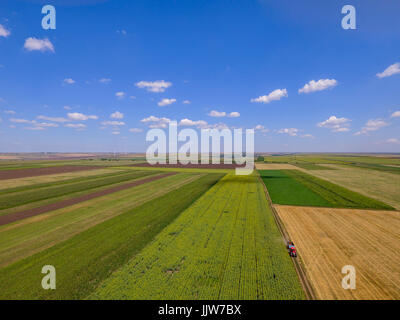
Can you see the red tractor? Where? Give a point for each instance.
(292, 249)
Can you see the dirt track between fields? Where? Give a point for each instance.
(189, 166)
(12, 217)
(33, 172)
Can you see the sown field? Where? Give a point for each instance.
(328, 239)
(86, 258)
(379, 185)
(294, 187)
(274, 166)
(225, 246)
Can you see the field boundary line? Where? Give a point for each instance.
(305, 283)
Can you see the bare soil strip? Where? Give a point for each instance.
(12, 217)
(329, 239)
(33, 172)
(189, 166)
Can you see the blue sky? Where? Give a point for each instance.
(244, 61)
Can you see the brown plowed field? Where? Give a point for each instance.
(189, 166)
(12, 217)
(33, 172)
(328, 239)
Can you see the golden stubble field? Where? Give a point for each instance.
(328, 239)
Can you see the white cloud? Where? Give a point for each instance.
(34, 44)
(67, 107)
(113, 123)
(389, 71)
(290, 131)
(117, 115)
(4, 32)
(277, 94)
(234, 115)
(393, 140)
(335, 124)
(217, 114)
(155, 122)
(115, 132)
(120, 94)
(80, 116)
(79, 126)
(155, 86)
(319, 85)
(9, 111)
(35, 128)
(307, 135)
(132, 97)
(186, 102)
(69, 81)
(135, 130)
(54, 119)
(260, 128)
(105, 80)
(372, 125)
(191, 123)
(395, 114)
(166, 102)
(47, 125)
(15, 120)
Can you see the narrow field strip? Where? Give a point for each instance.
(87, 258)
(33, 172)
(33, 198)
(12, 217)
(225, 246)
(51, 178)
(29, 236)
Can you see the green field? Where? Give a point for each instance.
(225, 246)
(89, 257)
(294, 187)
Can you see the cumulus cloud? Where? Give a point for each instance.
(393, 140)
(217, 114)
(166, 102)
(234, 115)
(34, 44)
(105, 80)
(277, 94)
(34, 128)
(154, 86)
(67, 107)
(69, 81)
(53, 119)
(290, 131)
(113, 123)
(186, 102)
(135, 130)
(395, 114)
(372, 125)
(4, 32)
(307, 135)
(319, 85)
(117, 115)
(335, 124)
(18, 120)
(78, 126)
(120, 94)
(260, 128)
(390, 71)
(76, 116)
(191, 123)
(155, 122)
(9, 111)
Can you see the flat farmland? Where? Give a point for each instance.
(328, 239)
(89, 240)
(225, 246)
(295, 187)
(382, 186)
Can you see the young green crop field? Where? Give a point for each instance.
(294, 187)
(86, 258)
(225, 246)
